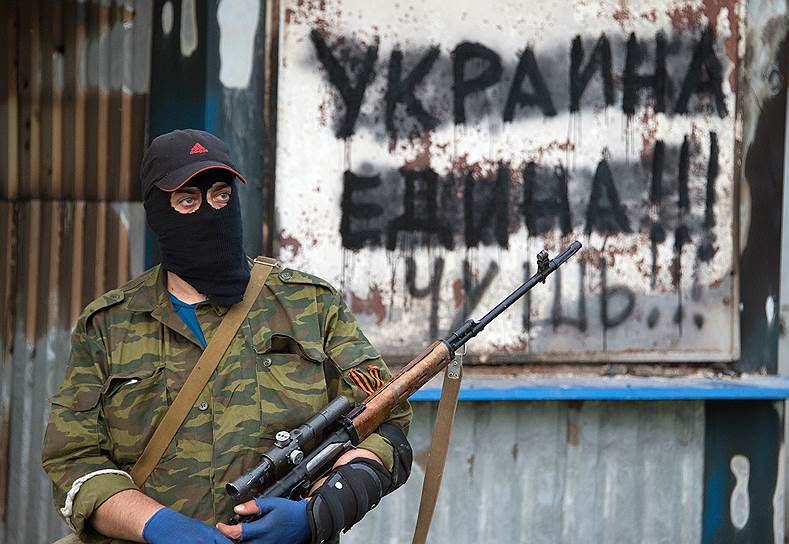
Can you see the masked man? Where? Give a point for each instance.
(132, 349)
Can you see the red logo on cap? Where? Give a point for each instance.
(197, 148)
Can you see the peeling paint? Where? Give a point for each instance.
(739, 503)
(686, 17)
(371, 305)
(769, 309)
(457, 293)
(188, 37)
(289, 244)
(238, 22)
(167, 18)
(780, 494)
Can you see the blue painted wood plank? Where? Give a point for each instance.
(761, 387)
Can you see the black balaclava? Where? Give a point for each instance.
(203, 247)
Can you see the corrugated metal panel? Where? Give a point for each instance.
(46, 282)
(74, 80)
(556, 472)
(7, 285)
(74, 83)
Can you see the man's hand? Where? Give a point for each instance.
(279, 515)
(169, 527)
(282, 520)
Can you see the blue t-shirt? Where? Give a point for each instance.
(189, 315)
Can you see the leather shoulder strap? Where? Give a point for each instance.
(439, 445)
(201, 373)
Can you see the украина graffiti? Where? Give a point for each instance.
(670, 85)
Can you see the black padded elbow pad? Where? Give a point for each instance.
(345, 497)
(403, 455)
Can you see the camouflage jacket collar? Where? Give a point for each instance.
(149, 293)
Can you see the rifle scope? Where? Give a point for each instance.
(288, 450)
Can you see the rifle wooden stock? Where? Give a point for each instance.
(413, 376)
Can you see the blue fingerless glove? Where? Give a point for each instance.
(169, 527)
(282, 520)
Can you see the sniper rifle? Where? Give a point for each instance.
(303, 455)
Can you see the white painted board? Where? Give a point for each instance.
(434, 212)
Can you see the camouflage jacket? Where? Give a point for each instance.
(299, 347)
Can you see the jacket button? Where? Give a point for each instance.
(267, 362)
(203, 406)
(285, 275)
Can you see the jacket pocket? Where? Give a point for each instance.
(292, 384)
(78, 398)
(133, 405)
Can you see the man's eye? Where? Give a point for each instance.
(224, 196)
(187, 201)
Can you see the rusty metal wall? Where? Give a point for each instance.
(74, 84)
(556, 472)
(74, 81)
(449, 142)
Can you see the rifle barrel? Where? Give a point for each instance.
(433, 360)
(538, 277)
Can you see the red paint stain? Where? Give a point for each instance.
(649, 126)
(289, 242)
(565, 146)
(311, 13)
(457, 293)
(688, 17)
(372, 305)
(623, 14)
(422, 159)
(461, 167)
(650, 16)
(696, 134)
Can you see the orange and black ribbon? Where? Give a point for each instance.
(368, 382)
(375, 372)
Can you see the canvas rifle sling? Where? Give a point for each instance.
(201, 373)
(439, 445)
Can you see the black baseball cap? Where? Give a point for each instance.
(174, 158)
